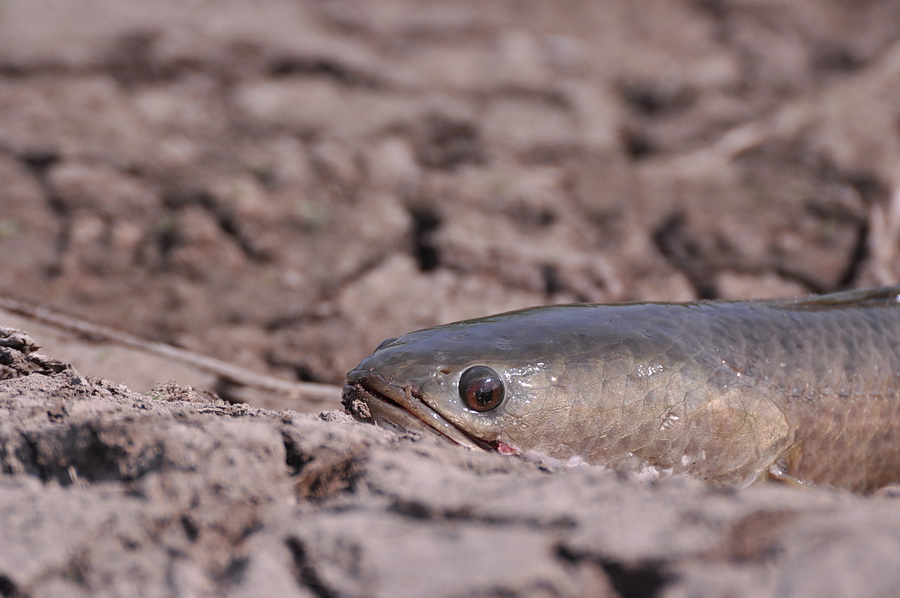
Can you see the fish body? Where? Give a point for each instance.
(733, 392)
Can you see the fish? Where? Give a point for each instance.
(803, 391)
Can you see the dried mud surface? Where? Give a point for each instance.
(106, 492)
(283, 184)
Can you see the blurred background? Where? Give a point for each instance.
(284, 183)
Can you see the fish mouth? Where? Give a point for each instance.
(369, 397)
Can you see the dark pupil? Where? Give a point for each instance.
(485, 391)
(481, 388)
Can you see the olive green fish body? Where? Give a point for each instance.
(727, 391)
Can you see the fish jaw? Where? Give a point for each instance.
(369, 397)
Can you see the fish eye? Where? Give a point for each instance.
(481, 388)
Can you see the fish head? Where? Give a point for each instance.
(485, 383)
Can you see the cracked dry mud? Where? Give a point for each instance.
(285, 183)
(107, 492)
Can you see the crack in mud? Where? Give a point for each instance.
(643, 580)
(307, 574)
(416, 509)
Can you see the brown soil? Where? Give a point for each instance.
(282, 184)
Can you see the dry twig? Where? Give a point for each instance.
(318, 394)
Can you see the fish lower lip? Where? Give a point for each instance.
(369, 397)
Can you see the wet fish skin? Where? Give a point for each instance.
(731, 392)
